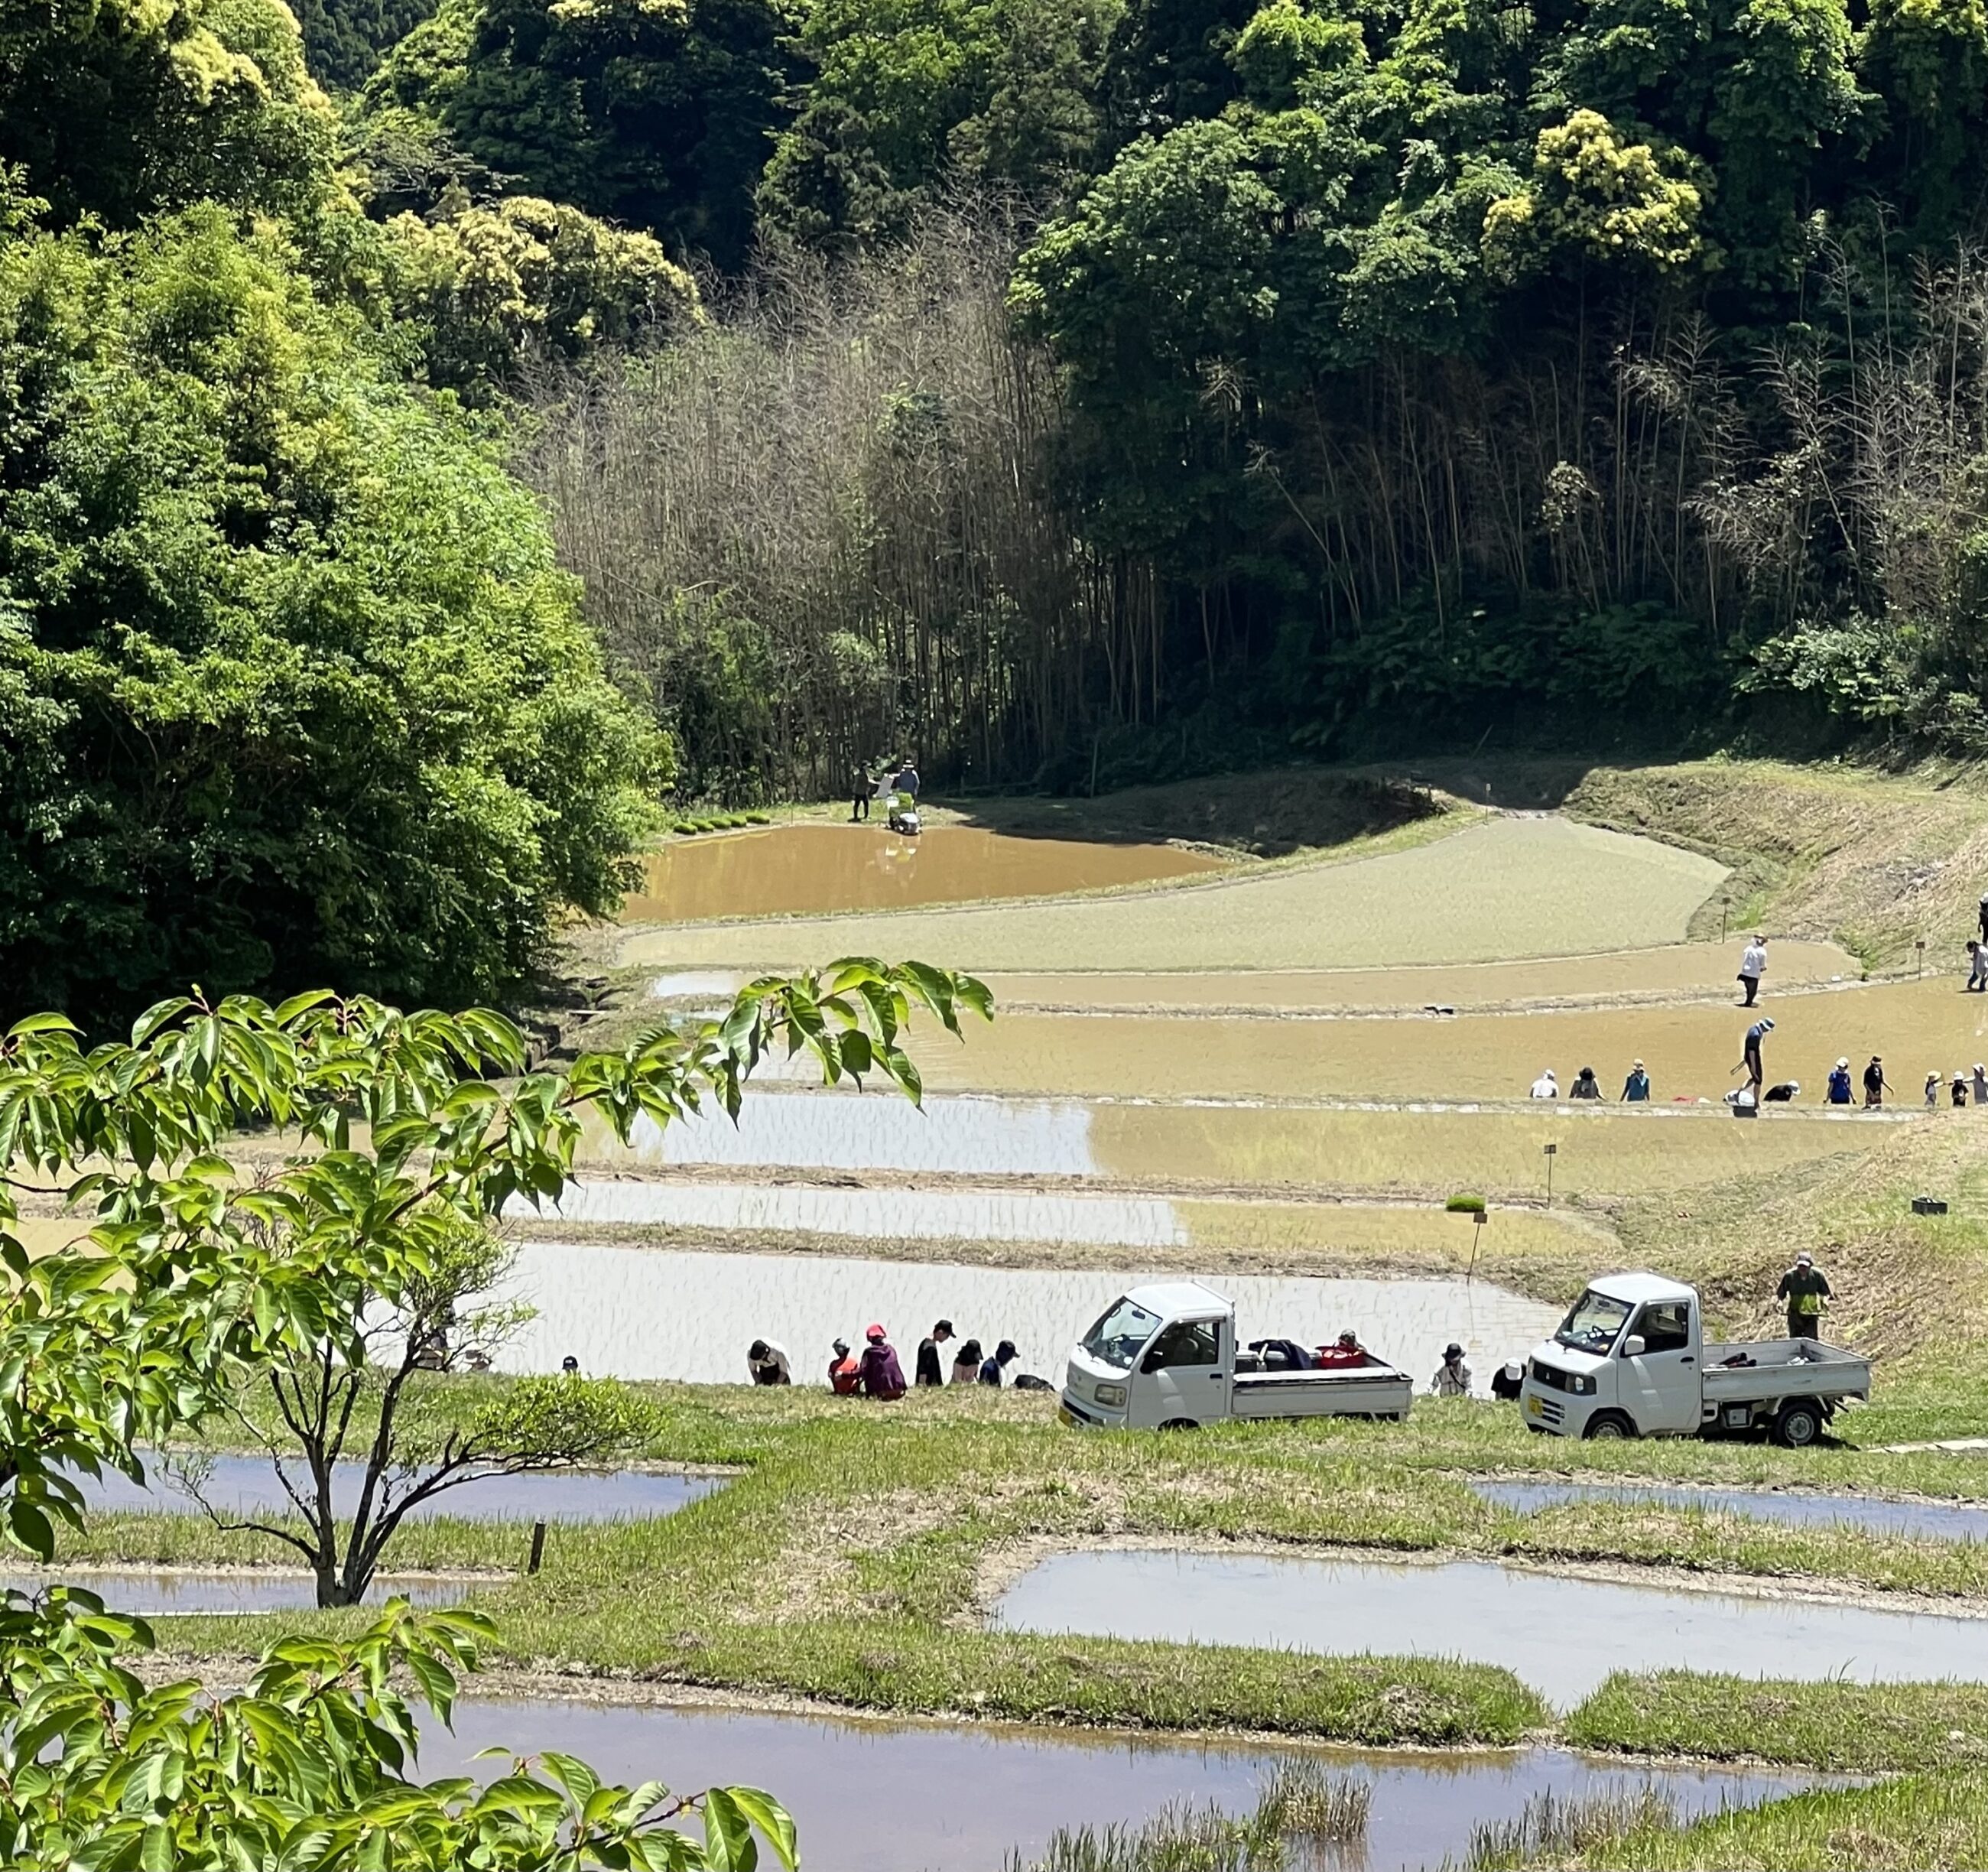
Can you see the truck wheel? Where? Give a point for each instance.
(1180, 1424)
(1609, 1423)
(1798, 1427)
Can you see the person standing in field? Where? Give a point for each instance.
(1983, 916)
(1636, 1088)
(1804, 1288)
(1585, 1085)
(1545, 1086)
(859, 795)
(1977, 968)
(1839, 1090)
(1752, 966)
(929, 1371)
(1750, 1059)
(1875, 1086)
(1452, 1376)
(1931, 1091)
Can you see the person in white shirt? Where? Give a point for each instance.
(1752, 966)
(766, 1363)
(1546, 1086)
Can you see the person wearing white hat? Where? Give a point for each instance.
(1839, 1090)
(1546, 1086)
(1757, 1072)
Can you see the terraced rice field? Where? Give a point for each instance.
(1427, 1150)
(1494, 890)
(1690, 1049)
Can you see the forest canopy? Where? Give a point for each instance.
(432, 435)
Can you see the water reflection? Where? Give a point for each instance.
(1917, 1520)
(1562, 1636)
(658, 1313)
(243, 1485)
(926, 1797)
(823, 868)
(162, 1591)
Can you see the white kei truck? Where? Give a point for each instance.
(1165, 1357)
(1630, 1359)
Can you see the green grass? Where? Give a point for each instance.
(1844, 1728)
(1914, 1824)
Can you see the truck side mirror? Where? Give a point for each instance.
(1633, 1346)
(1152, 1361)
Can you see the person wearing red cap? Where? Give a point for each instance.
(882, 1376)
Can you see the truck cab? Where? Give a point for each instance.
(1630, 1359)
(1158, 1357)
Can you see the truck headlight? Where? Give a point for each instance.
(1581, 1383)
(1110, 1394)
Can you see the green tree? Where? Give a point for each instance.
(119, 108)
(908, 95)
(296, 687)
(194, 1278)
(661, 116)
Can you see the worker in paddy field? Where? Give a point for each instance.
(1984, 917)
(1841, 1092)
(1980, 1083)
(1585, 1085)
(766, 1363)
(1545, 1086)
(1636, 1088)
(1750, 1060)
(1804, 1288)
(1452, 1376)
(845, 1374)
(1977, 969)
(928, 1370)
(1752, 966)
(1875, 1085)
(966, 1362)
(1959, 1086)
(1931, 1091)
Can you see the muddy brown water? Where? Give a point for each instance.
(666, 1313)
(1562, 1636)
(1690, 1050)
(878, 1796)
(1600, 1149)
(817, 868)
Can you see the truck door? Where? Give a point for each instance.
(1660, 1387)
(1182, 1376)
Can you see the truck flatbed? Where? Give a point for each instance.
(1373, 1390)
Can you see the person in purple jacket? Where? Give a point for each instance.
(882, 1376)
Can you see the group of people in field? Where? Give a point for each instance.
(1845, 1085)
(876, 1372)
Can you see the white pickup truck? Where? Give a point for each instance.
(1630, 1360)
(1164, 1357)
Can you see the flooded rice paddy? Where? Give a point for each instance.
(244, 1484)
(1419, 1234)
(1938, 1521)
(1562, 1636)
(158, 1592)
(1499, 889)
(1690, 1049)
(823, 867)
(659, 1313)
(931, 1797)
(1681, 968)
(1407, 1147)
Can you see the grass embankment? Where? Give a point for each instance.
(1873, 860)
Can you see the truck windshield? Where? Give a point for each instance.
(1115, 1340)
(1594, 1323)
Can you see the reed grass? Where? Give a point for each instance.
(1553, 1826)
